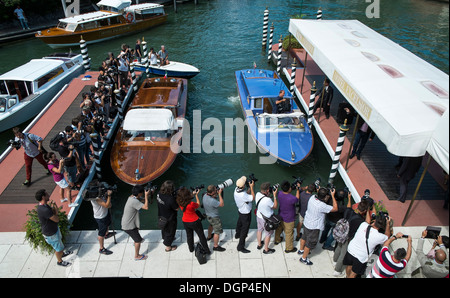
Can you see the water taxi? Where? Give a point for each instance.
(115, 18)
(142, 148)
(285, 136)
(172, 69)
(27, 89)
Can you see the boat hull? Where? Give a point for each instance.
(173, 69)
(56, 38)
(288, 146)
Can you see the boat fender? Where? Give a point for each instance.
(129, 16)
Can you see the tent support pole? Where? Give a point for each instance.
(304, 71)
(351, 144)
(417, 190)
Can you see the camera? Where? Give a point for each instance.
(368, 198)
(150, 187)
(317, 182)
(97, 189)
(297, 180)
(14, 144)
(273, 188)
(433, 232)
(250, 178)
(202, 186)
(382, 214)
(224, 184)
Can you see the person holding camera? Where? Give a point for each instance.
(167, 214)
(436, 268)
(243, 200)
(287, 203)
(192, 223)
(68, 153)
(102, 216)
(211, 206)
(265, 207)
(315, 221)
(332, 218)
(57, 169)
(303, 205)
(368, 236)
(388, 265)
(130, 219)
(32, 146)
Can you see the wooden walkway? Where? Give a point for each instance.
(375, 170)
(16, 199)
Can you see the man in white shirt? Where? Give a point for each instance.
(244, 203)
(314, 222)
(21, 16)
(100, 208)
(265, 206)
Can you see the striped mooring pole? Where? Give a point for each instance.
(294, 67)
(119, 101)
(265, 27)
(269, 55)
(133, 77)
(145, 61)
(85, 54)
(312, 97)
(97, 146)
(280, 48)
(319, 13)
(343, 131)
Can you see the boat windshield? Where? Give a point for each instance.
(2, 104)
(281, 121)
(153, 136)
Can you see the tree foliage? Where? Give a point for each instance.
(30, 7)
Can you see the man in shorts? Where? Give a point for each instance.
(102, 216)
(48, 218)
(265, 207)
(211, 205)
(315, 222)
(130, 218)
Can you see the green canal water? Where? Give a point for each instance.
(220, 37)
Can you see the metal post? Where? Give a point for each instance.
(321, 101)
(351, 144)
(417, 190)
(97, 145)
(304, 72)
(133, 77)
(311, 104)
(280, 48)
(175, 5)
(294, 66)
(343, 130)
(85, 54)
(265, 26)
(144, 52)
(269, 56)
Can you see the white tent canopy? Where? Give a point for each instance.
(403, 98)
(149, 120)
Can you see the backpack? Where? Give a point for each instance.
(54, 142)
(342, 228)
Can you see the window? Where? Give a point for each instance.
(153, 136)
(2, 105)
(258, 103)
(49, 76)
(3, 89)
(62, 25)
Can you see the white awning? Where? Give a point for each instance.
(32, 70)
(149, 120)
(402, 97)
(118, 4)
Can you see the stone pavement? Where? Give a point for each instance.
(18, 259)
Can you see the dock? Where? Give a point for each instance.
(376, 164)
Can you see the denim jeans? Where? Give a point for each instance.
(360, 141)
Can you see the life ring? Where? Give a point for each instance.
(129, 16)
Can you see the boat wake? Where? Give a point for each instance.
(233, 99)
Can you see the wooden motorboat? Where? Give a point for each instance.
(27, 89)
(115, 18)
(142, 148)
(285, 136)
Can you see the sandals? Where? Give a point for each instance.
(174, 247)
(143, 257)
(110, 234)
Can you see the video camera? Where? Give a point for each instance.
(150, 187)
(14, 144)
(297, 180)
(250, 178)
(97, 189)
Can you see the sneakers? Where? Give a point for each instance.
(244, 250)
(306, 262)
(73, 205)
(105, 251)
(26, 182)
(269, 251)
(219, 248)
(291, 250)
(338, 274)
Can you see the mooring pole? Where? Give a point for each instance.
(269, 56)
(280, 48)
(85, 54)
(265, 26)
(343, 130)
(312, 98)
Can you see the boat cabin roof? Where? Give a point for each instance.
(159, 92)
(88, 17)
(143, 7)
(148, 120)
(263, 83)
(32, 70)
(116, 4)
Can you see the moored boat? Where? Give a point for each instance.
(115, 18)
(142, 148)
(27, 89)
(173, 69)
(285, 136)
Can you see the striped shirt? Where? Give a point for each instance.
(385, 267)
(315, 214)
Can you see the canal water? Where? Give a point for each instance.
(220, 37)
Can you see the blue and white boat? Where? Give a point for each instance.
(285, 136)
(172, 69)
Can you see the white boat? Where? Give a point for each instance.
(27, 89)
(173, 69)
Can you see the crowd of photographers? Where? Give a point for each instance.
(323, 215)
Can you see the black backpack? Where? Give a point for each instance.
(54, 142)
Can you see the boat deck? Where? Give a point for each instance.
(15, 198)
(376, 169)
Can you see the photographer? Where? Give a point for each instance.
(130, 219)
(243, 201)
(102, 216)
(265, 206)
(211, 205)
(32, 145)
(167, 214)
(68, 153)
(191, 221)
(57, 169)
(366, 239)
(287, 204)
(436, 268)
(315, 221)
(303, 202)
